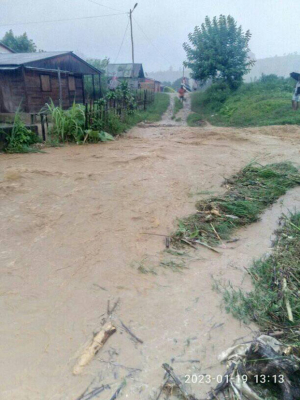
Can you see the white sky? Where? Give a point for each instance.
(274, 25)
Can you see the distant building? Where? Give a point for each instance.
(5, 49)
(151, 84)
(29, 80)
(132, 73)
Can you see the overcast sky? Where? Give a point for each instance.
(160, 26)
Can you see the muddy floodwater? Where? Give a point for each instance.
(80, 226)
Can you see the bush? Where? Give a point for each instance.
(114, 125)
(20, 139)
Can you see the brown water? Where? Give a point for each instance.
(73, 224)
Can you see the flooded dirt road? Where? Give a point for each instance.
(77, 231)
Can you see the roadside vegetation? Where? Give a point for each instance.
(116, 125)
(70, 125)
(194, 119)
(264, 102)
(177, 107)
(273, 303)
(20, 139)
(77, 126)
(248, 194)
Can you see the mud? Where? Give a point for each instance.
(74, 234)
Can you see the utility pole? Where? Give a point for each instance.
(132, 46)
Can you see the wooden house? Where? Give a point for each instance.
(29, 80)
(132, 73)
(151, 84)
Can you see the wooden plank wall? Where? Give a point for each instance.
(12, 91)
(38, 98)
(16, 89)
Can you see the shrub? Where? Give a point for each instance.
(20, 139)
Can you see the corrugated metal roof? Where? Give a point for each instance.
(8, 68)
(24, 58)
(125, 70)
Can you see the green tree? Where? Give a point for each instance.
(177, 84)
(218, 50)
(20, 44)
(88, 83)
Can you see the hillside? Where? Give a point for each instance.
(265, 102)
(281, 66)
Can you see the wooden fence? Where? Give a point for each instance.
(97, 110)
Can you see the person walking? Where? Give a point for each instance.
(296, 95)
(181, 92)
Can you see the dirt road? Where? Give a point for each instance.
(75, 233)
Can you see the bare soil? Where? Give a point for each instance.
(76, 225)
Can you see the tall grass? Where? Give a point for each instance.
(178, 105)
(67, 125)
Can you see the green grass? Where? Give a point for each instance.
(177, 106)
(249, 193)
(194, 119)
(266, 303)
(261, 103)
(153, 113)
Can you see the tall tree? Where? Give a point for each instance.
(218, 50)
(20, 44)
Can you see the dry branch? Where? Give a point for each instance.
(131, 333)
(207, 246)
(117, 392)
(178, 383)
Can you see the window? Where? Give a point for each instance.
(72, 86)
(45, 83)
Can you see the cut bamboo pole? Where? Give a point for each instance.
(96, 344)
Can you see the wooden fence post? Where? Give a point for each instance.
(43, 127)
(60, 88)
(145, 99)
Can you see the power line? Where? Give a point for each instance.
(147, 37)
(122, 41)
(61, 20)
(102, 5)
